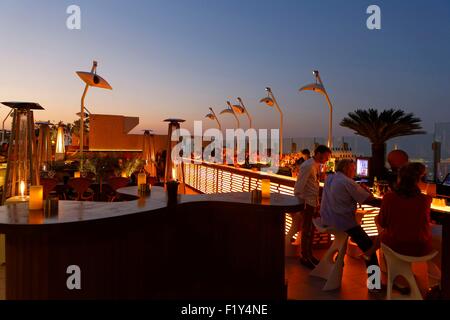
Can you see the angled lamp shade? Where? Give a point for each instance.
(210, 116)
(93, 80)
(316, 87)
(268, 101)
(60, 146)
(238, 109)
(225, 111)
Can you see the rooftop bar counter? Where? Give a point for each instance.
(220, 246)
(214, 178)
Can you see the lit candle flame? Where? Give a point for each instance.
(22, 188)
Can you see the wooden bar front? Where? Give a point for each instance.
(206, 247)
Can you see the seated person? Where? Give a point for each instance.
(340, 197)
(404, 219)
(404, 216)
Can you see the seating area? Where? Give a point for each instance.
(88, 187)
(247, 151)
(342, 275)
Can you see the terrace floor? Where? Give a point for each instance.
(303, 287)
(300, 285)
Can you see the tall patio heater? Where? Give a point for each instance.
(60, 148)
(173, 171)
(148, 152)
(22, 168)
(44, 146)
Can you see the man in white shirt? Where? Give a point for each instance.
(307, 189)
(340, 197)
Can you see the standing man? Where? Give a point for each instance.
(307, 189)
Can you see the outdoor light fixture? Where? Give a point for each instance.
(60, 144)
(231, 111)
(213, 116)
(91, 79)
(319, 87)
(241, 109)
(271, 101)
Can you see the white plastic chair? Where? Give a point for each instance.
(331, 268)
(401, 265)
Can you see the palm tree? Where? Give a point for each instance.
(379, 128)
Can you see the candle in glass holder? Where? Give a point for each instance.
(265, 188)
(142, 179)
(36, 196)
(77, 174)
(124, 174)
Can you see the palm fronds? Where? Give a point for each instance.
(379, 127)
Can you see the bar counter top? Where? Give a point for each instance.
(218, 246)
(17, 214)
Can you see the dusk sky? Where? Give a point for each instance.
(178, 58)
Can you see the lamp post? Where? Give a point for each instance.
(319, 87)
(231, 111)
(213, 116)
(241, 109)
(271, 101)
(91, 79)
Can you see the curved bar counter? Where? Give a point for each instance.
(219, 246)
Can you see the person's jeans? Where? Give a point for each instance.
(307, 232)
(360, 237)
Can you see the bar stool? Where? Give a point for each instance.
(331, 266)
(400, 265)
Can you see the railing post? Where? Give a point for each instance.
(216, 172)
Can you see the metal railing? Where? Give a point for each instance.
(213, 178)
